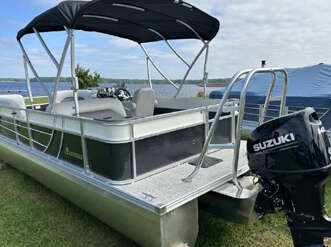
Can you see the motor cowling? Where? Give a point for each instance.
(292, 157)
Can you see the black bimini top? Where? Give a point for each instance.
(137, 20)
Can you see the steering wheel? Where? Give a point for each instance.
(122, 94)
(114, 92)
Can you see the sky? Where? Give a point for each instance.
(284, 33)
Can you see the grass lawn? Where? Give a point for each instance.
(37, 100)
(32, 215)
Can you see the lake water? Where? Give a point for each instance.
(164, 90)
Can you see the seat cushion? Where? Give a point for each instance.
(67, 95)
(144, 100)
(91, 105)
(16, 101)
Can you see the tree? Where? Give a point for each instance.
(86, 79)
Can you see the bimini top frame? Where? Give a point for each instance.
(141, 21)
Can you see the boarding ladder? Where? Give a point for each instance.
(235, 145)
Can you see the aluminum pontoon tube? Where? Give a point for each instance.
(176, 228)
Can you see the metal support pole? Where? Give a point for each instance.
(282, 111)
(28, 81)
(214, 126)
(190, 68)
(206, 45)
(46, 48)
(156, 67)
(233, 126)
(205, 73)
(241, 114)
(74, 79)
(58, 76)
(133, 148)
(267, 99)
(62, 135)
(29, 129)
(15, 128)
(260, 121)
(84, 147)
(33, 69)
(149, 73)
(170, 46)
(193, 30)
(176, 53)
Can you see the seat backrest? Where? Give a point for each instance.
(67, 95)
(91, 105)
(16, 101)
(144, 99)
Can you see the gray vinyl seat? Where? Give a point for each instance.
(100, 109)
(15, 101)
(67, 95)
(143, 103)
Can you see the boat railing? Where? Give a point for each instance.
(248, 73)
(22, 125)
(253, 113)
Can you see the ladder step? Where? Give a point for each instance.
(223, 146)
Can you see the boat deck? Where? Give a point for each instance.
(167, 190)
(159, 193)
(185, 103)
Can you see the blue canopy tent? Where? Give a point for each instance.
(307, 86)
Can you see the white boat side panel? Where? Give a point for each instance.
(42, 119)
(162, 125)
(71, 125)
(111, 133)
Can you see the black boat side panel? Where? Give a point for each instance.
(40, 137)
(6, 132)
(113, 161)
(222, 132)
(156, 152)
(54, 146)
(72, 150)
(23, 131)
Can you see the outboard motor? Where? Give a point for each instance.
(291, 156)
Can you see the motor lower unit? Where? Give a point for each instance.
(292, 157)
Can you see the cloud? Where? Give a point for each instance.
(285, 33)
(7, 43)
(47, 2)
(80, 45)
(122, 43)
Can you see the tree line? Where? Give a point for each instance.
(88, 79)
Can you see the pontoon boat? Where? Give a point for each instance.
(138, 164)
